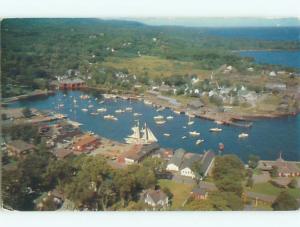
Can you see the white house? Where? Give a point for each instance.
(175, 162)
(155, 198)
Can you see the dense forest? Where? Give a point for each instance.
(34, 51)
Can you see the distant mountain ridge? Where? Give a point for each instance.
(220, 21)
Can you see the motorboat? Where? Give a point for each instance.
(167, 134)
(243, 135)
(219, 122)
(170, 117)
(137, 114)
(215, 130)
(119, 111)
(160, 122)
(129, 109)
(102, 110)
(159, 117)
(85, 110)
(199, 141)
(194, 133)
(110, 117)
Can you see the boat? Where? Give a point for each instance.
(129, 109)
(137, 114)
(94, 113)
(147, 102)
(102, 110)
(74, 101)
(84, 96)
(183, 137)
(158, 117)
(160, 122)
(101, 102)
(169, 117)
(243, 135)
(215, 130)
(90, 106)
(61, 105)
(119, 111)
(141, 136)
(221, 146)
(110, 117)
(190, 122)
(160, 109)
(194, 133)
(219, 122)
(199, 142)
(177, 112)
(85, 110)
(184, 127)
(167, 134)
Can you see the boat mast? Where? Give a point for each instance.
(146, 133)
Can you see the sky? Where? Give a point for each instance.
(149, 8)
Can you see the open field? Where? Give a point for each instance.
(180, 191)
(269, 189)
(154, 66)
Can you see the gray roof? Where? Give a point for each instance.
(156, 195)
(177, 157)
(208, 157)
(188, 161)
(21, 145)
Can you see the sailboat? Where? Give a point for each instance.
(141, 136)
(190, 122)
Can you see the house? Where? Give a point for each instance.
(276, 86)
(284, 168)
(199, 193)
(19, 148)
(71, 84)
(175, 162)
(272, 74)
(207, 163)
(139, 153)
(196, 104)
(62, 153)
(186, 168)
(155, 198)
(86, 142)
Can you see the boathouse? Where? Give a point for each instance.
(71, 84)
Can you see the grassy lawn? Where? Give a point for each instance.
(154, 66)
(180, 191)
(269, 189)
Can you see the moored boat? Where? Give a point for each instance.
(215, 129)
(199, 141)
(170, 117)
(194, 133)
(243, 135)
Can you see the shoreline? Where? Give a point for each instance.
(158, 102)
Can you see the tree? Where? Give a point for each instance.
(253, 161)
(274, 171)
(27, 112)
(229, 173)
(249, 182)
(293, 183)
(285, 201)
(197, 168)
(4, 116)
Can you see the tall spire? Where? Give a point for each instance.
(280, 156)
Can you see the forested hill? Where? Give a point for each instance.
(36, 50)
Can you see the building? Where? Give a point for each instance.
(207, 163)
(71, 84)
(196, 104)
(86, 142)
(175, 162)
(139, 153)
(186, 167)
(199, 193)
(62, 153)
(284, 168)
(155, 198)
(19, 148)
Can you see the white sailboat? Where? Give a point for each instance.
(243, 135)
(141, 136)
(194, 133)
(199, 141)
(190, 122)
(169, 117)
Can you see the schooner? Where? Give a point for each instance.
(141, 136)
